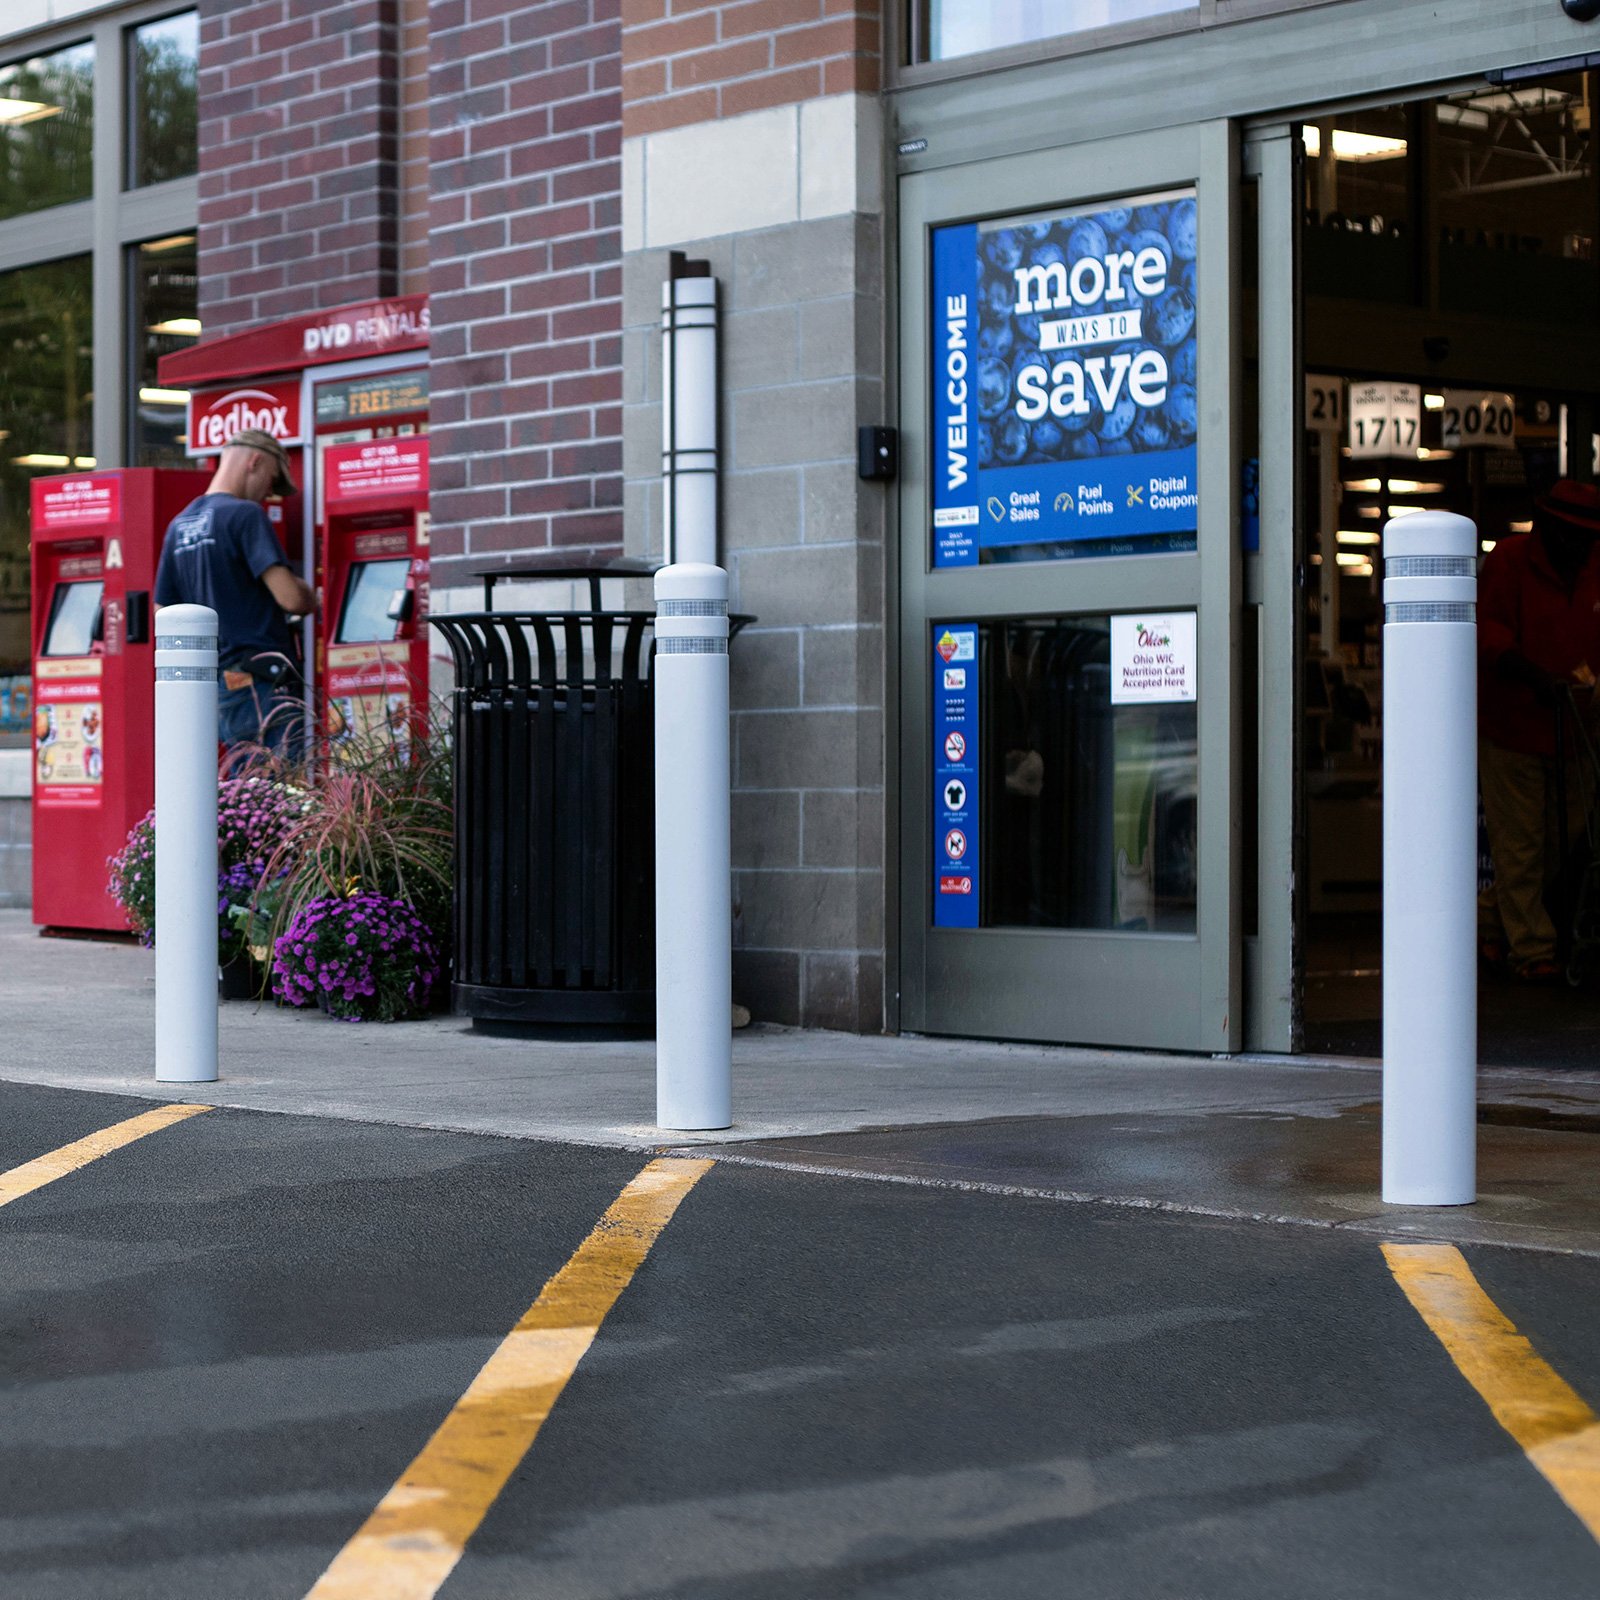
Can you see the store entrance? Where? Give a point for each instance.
(1450, 320)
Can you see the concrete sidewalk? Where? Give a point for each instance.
(1272, 1138)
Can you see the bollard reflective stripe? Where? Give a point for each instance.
(1430, 860)
(694, 932)
(186, 845)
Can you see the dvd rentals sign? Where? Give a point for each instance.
(1065, 382)
(216, 415)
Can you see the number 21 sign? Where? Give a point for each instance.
(1385, 420)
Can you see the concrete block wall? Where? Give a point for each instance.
(16, 828)
(801, 285)
(299, 157)
(525, 282)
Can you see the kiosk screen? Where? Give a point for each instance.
(368, 614)
(74, 618)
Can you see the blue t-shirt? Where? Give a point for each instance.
(214, 553)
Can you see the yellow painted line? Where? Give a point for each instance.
(412, 1541)
(69, 1158)
(1530, 1400)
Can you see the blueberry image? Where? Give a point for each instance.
(1171, 318)
(1003, 249)
(1116, 447)
(985, 444)
(1119, 419)
(1115, 220)
(997, 297)
(1011, 441)
(1183, 365)
(1152, 217)
(994, 386)
(1048, 254)
(1047, 439)
(1036, 231)
(1147, 239)
(1083, 446)
(1089, 421)
(1027, 327)
(1148, 432)
(1182, 412)
(1087, 238)
(1183, 229)
(1187, 276)
(994, 338)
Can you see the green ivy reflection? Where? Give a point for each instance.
(166, 64)
(46, 414)
(47, 138)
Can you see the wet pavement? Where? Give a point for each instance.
(220, 1345)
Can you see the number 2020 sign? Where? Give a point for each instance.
(1385, 419)
(1478, 419)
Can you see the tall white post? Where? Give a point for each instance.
(694, 932)
(1430, 860)
(689, 413)
(186, 844)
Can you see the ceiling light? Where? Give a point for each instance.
(14, 113)
(42, 461)
(1434, 402)
(1363, 485)
(83, 463)
(1403, 511)
(1358, 536)
(1356, 566)
(188, 327)
(1412, 486)
(1488, 545)
(1522, 527)
(1349, 145)
(1460, 116)
(1369, 511)
(1316, 560)
(164, 397)
(1425, 454)
(174, 241)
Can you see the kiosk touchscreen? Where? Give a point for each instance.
(96, 538)
(375, 565)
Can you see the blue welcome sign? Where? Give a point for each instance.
(1065, 410)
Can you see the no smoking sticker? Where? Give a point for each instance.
(955, 746)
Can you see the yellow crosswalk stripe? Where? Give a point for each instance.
(69, 1158)
(1534, 1404)
(413, 1540)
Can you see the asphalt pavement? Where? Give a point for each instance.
(222, 1343)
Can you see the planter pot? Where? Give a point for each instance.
(239, 979)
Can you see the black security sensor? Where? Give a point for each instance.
(1581, 10)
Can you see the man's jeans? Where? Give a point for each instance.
(263, 715)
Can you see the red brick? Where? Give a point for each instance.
(726, 61)
(649, 78)
(776, 89)
(674, 111)
(851, 75)
(767, 16)
(841, 37)
(668, 38)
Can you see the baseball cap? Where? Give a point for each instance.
(1577, 504)
(260, 439)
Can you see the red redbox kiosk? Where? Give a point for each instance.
(96, 540)
(372, 644)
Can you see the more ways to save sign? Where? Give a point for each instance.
(1065, 379)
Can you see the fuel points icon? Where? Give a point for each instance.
(955, 746)
(955, 795)
(955, 844)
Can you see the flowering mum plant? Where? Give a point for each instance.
(253, 814)
(132, 883)
(363, 958)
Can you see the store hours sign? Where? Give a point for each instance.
(1065, 382)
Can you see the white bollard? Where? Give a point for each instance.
(186, 844)
(694, 933)
(1430, 860)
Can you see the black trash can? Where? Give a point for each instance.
(554, 752)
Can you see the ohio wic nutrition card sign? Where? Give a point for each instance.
(1065, 409)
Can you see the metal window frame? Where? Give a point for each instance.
(112, 219)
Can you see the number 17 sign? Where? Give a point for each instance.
(1385, 420)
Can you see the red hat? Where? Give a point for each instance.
(1577, 504)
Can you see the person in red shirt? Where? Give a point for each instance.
(1538, 636)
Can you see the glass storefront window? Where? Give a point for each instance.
(961, 27)
(1088, 807)
(165, 63)
(164, 304)
(46, 130)
(46, 414)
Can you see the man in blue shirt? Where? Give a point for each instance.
(221, 551)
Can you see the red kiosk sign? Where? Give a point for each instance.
(383, 469)
(216, 415)
(76, 502)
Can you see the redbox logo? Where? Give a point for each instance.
(216, 418)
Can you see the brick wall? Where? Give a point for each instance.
(299, 107)
(525, 282)
(685, 61)
(414, 120)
